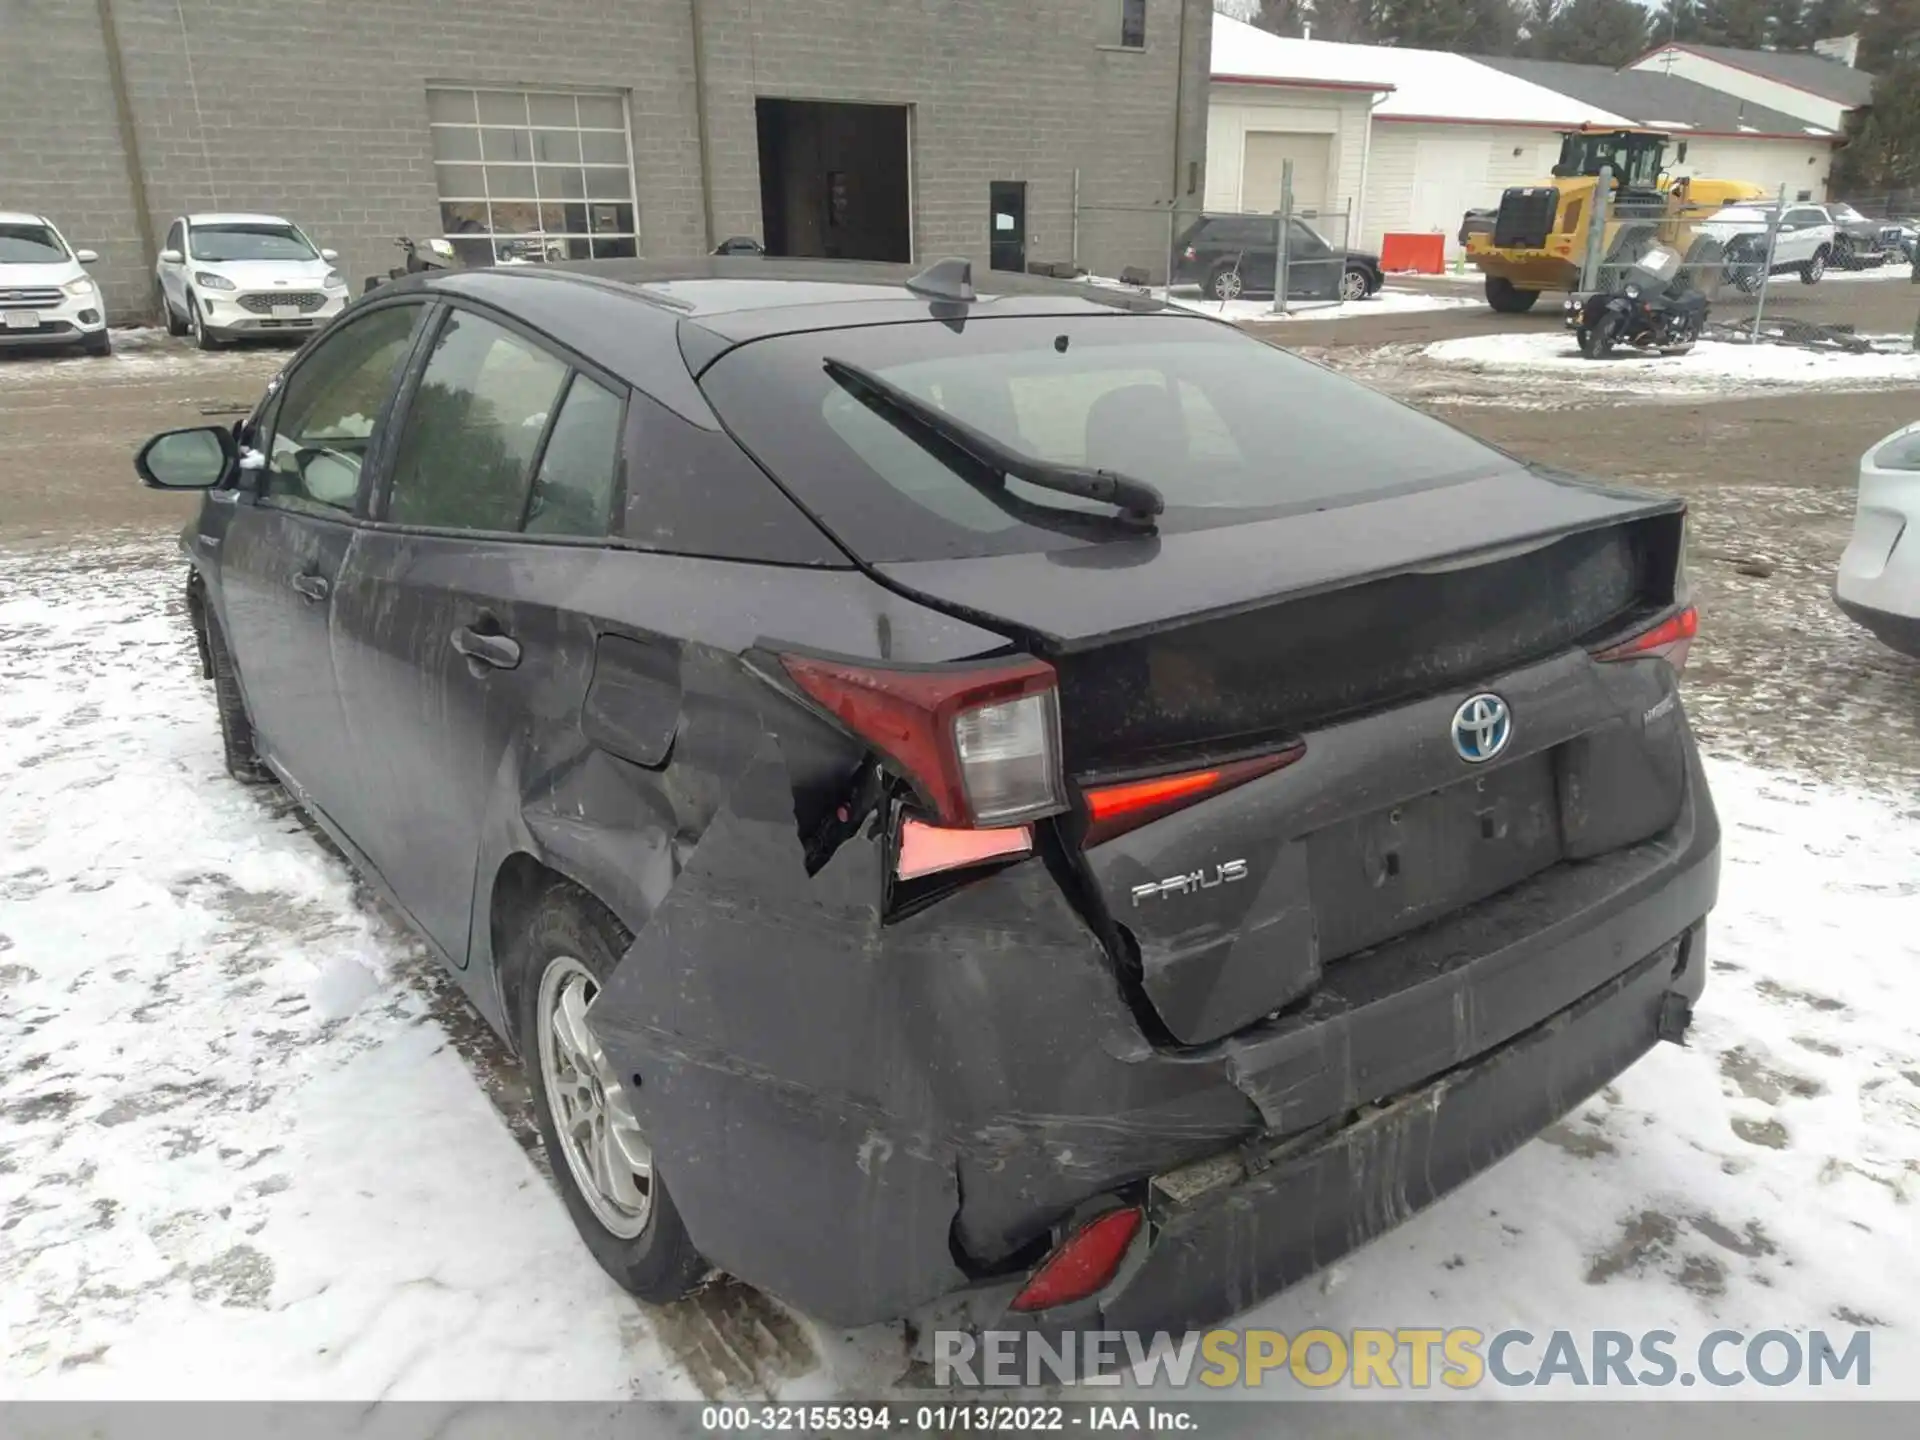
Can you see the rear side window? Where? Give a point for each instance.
(1227, 428)
(465, 457)
(573, 491)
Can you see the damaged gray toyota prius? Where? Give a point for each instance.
(1031, 794)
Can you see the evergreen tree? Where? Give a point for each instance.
(1283, 17)
(1743, 24)
(1885, 155)
(1469, 27)
(1352, 21)
(1889, 37)
(1680, 20)
(1590, 32)
(1828, 20)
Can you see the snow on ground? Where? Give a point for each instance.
(244, 1153)
(1385, 301)
(1719, 366)
(140, 354)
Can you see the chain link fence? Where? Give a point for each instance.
(1286, 258)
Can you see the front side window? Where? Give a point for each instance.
(329, 412)
(30, 245)
(472, 429)
(250, 242)
(573, 490)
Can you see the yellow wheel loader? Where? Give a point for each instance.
(1537, 239)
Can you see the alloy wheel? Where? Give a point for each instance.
(1226, 285)
(1353, 285)
(600, 1139)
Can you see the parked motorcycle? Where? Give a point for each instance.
(432, 253)
(1652, 309)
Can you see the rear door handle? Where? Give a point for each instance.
(502, 652)
(314, 587)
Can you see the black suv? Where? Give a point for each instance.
(1228, 256)
(1037, 791)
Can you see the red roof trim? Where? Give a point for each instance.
(1464, 120)
(1302, 83)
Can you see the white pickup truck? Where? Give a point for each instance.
(1803, 246)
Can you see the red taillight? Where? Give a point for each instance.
(929, 849)
(1115, 809)
(1192, 254)
(1082, 1263)
(980, 743)
(1670, 640)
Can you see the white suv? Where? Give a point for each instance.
(45, 297)
(222, 276)
(1879, 582)
(1804, 244)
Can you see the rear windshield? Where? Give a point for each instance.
(1227, 428)
(249, 242)
(29, 245)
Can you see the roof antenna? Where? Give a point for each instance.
(948, 279)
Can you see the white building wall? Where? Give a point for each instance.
(1767, 163)
(1730, 80)
(1424, 177)
(1235, 109)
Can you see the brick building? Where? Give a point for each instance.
(883, 129)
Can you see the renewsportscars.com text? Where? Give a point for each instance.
(1406, 1358)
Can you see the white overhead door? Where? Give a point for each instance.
(1450, 177)
(1266, 152)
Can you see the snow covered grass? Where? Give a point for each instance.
(241, 1154)
(1717, 366)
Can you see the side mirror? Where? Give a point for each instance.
(329, 255)
(172, 257)
(86, 257)
(198, 459)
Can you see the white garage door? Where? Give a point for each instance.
(1266, 151)
(1449, 178)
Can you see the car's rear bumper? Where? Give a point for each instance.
(1228, 1231)
(1900, 632)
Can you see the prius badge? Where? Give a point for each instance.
(1225, 873)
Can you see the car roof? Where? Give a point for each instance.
(652, 322)
(22, 217)
(236, 218)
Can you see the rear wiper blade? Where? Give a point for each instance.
(1137, 501)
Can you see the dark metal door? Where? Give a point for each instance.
(1007, 202)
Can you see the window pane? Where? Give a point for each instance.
(557, 183)
(614, 249)
(464, 217)
(552, 110)
(559, 145)
(324, 428)
(563, 219)
(472, 429)
(452, 144)
(456, 105)
(506, 145)
(502, 108)
(574, 491)
(460, 182)
(612, 219)
(515, 182)
(602, 112)
(1133, 23)
(603, 147)
(608, 185)
(516, 217)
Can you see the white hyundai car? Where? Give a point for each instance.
(1879, 582)
(223, 276)
(46, 298)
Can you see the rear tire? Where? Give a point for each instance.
(1354, 286)
(1811, 272)
(567, 943)
(1509, 299)
(1843, 256)
(236, 728)
(1224, 282)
